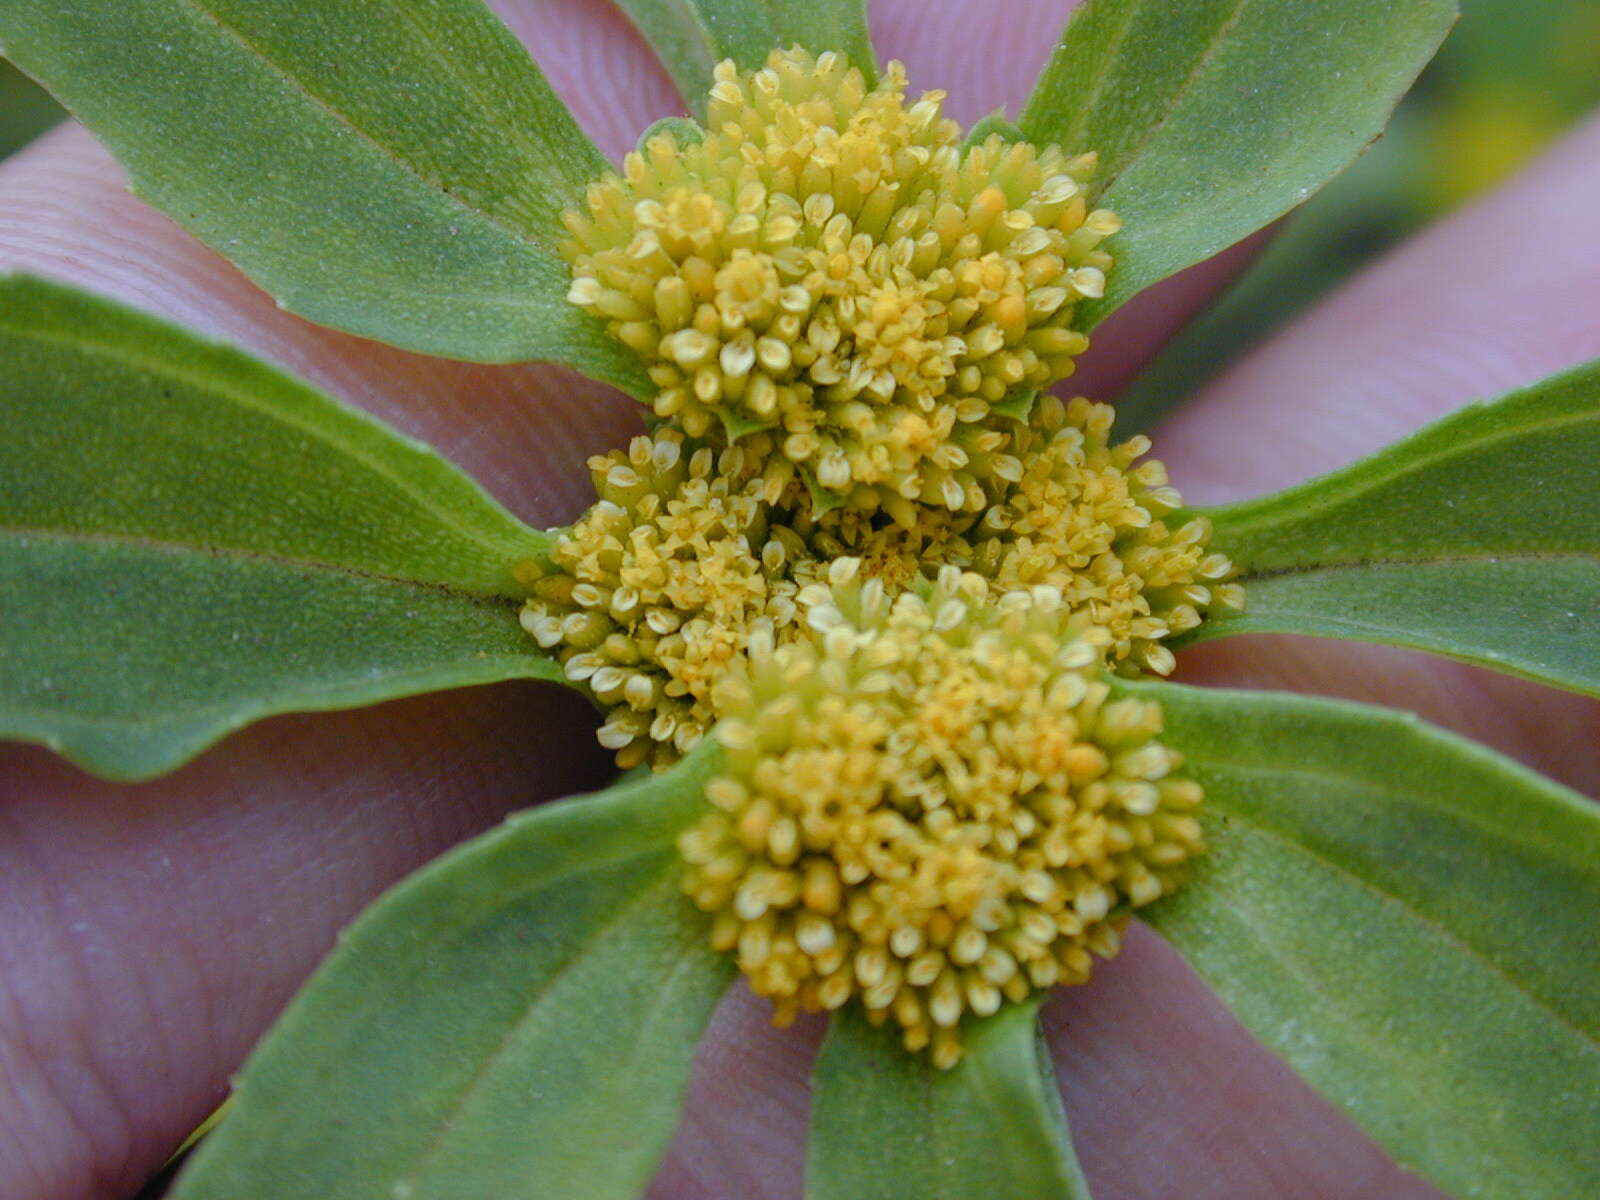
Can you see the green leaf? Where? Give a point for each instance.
(1214, 117)
(1409, 920)
(26, 110)
(886, 1124)
(1478, 537)
(395, 168)
(516, 1020)
(693, 36)
(988, 126)
(190, 540)
(1017, 405)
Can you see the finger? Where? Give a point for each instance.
(1168, 1094)
(743, 1130)
(148, 934)
(1493, 298)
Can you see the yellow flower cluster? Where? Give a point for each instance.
(657, 588)
(829, 263)
(931, 805)
(864, 548)
(656, 591)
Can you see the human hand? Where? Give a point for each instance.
(151, 932)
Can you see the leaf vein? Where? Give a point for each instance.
(617, 917)
(1416, 914)
(348, 122)
(1213, 45)
(405, 484)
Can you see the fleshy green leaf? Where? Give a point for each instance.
(190, 540)
(395, 168)
(692, 36)
(516, 1020)
(886, 1124)
(1409, 920)
(1478, 537)
(1214, 117)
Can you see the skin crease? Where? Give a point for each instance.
(148, 934)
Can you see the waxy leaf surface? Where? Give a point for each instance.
(1477, 537)
(395, 168)
(693, 36)
(1214, 117)
(1409, 920)
(515, 1021)
(190, 539)
(887, 1124)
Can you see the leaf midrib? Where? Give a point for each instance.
(265, 557)
(995, 1097)
(1072, 136)
(328, 106)
(1450, 560)
(1417, 915)
(1356, 1030)
(534, 998)
(512, 131)
(1353, 482)
(1180, 93)
(364, 455)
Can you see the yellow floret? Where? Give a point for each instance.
(932, 805)
(828, 262)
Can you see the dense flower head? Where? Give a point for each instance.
(653, 593)
(932, 804)
(830, 263)
(652, 596)
(1069, 509)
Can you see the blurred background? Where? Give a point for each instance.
(1510, 78)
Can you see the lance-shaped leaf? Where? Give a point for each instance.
(190, 540)
(1214, 117)
(516, 1021)
(887, 1124)
(395, 168)
(692, 36)
(1477, 537)
(1409, 920)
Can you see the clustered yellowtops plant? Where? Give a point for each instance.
(836, 301)
(878, 625)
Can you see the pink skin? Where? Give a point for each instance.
(149, 934)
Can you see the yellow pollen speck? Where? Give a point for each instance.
(831, 264)
(932, 805)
